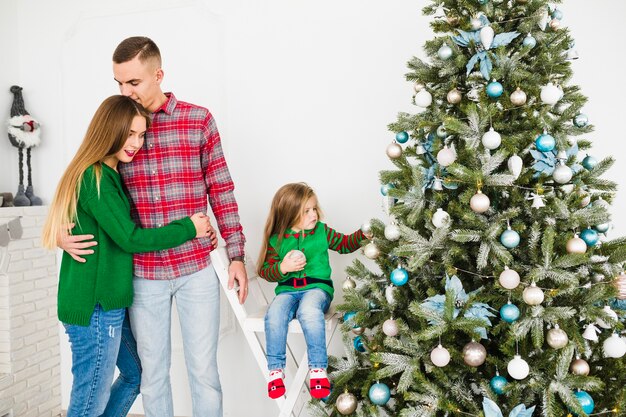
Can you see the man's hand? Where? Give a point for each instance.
(237, 271)
(76, 246)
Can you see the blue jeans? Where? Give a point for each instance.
(198, 301)
(96, 349)
(308, 307)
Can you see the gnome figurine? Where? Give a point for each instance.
(23, 134)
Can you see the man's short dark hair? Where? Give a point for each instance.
(137, 46)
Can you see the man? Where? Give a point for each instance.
(180, 164)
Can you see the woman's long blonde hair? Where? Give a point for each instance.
(106, 135)
(286, 211)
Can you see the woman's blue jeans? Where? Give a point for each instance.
(96, 350)
(308, 307)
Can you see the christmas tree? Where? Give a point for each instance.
(499, 292)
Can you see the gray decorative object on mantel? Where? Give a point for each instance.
(8, 232)
(23, 134)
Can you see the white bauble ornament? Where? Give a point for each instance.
(609, 312)
(576, 245)
(567, 188)
(601, 202)
(557, 338)
(440, 356)
(296, 254)
(491, 139)
(392, 232)
(371, 250)
(515, 165)
(518, 368)
(518, 97)
(474, 354)
(479, 203)
(533, 295)
(445, 52)
(423, 98)
(348, 284)
(390, 327)
(486, 36)
(441, 218)
(454, 96)
(509, 278)
(366, 228)
(390, 295)
(614, 346)
(562, 173)
(550, 94)
(446, 156)
(394, 150)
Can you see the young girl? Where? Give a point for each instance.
(93, 295)
(295, 254)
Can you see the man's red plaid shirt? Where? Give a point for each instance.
(181, 162)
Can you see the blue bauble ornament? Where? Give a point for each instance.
(603, 228)
(402, 137)
(348, 315)
(483, 1)
(509, 312)
(399, 276)
(585, 400)
(557, 14)
(590, 237)
(497, 384)
(590, 162)
(580, 120)
(358, 344)
(510, 239)
(529, 41)
(494, 89)
(384, 189)
(379, 393)
(545, 142)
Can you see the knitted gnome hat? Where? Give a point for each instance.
(23, 129)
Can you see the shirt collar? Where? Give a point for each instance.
(169, 105)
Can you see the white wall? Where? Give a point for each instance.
(300, 91)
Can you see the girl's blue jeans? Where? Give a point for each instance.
(308, 307)
(96, 350)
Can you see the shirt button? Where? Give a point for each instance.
(157, 198)
(151, 145)
(159, 225)
(154, 171)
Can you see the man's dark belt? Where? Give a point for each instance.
(303, 282)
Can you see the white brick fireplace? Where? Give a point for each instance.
(29, 333)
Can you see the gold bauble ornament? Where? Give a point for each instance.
(557, 338)
(346, 403)
(418, 86)
(620, 285)
(454, 96)
(576, 245)
(348, 284)
(579, 367)
(555, 24)
(452, 20)
(518, 97)
(474, 354)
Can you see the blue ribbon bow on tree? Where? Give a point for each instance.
(465, 38)
(491, 409)
(545, 162)
(476, 310)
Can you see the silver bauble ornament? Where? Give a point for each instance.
(392, 232)
(371, 250)
(445, 52)
(609, 312)
(358, 330)
(390, 327)
(346, 403)
(441, 218)
(474, 354)
(518, 97)
(394, 150)
(491, 139)
(620, 286)
(509, 278)
(550, 94)
(479, 203)
(423, 98)
(454, 96)
(515, 165)
(562, 173)
(557, 338)
(614, 346)
(601, 202)
(486, 36)
(518, 368)
(440, 356)
(576, 245)
(533, 295)
(446, 156)
(348, 284)
(366, 228)
(579, 367)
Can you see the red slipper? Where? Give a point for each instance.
(276, 385)
(319, 383)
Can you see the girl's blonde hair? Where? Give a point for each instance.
(286, 211)
(106, 135)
